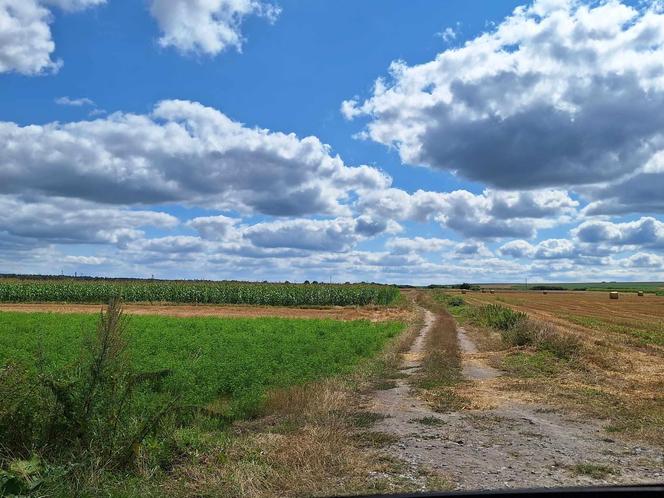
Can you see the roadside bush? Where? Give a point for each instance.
(550, 338)
(520, 331)
(455, 301)
(498, 317)
(523, 333)
(542, 336)
(452, 301)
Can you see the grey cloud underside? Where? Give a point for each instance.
(614, 132)
(645, 232)
(65, 222)
(642, 193)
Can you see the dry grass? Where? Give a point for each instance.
(440, 375)
(399, 311)
(306, 443)
(618, 375)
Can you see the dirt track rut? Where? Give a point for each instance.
(510, 445)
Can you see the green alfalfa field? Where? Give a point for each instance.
(208, 359)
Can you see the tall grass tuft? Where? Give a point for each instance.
(498, 317)
(517, 329)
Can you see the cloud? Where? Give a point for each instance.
(65, 221)
(182, 152)
(25, 38)
(517, 249)
(644, 232)
(85, 260)
(558, 94)
(213, 227)
(641, 193)
(26, 43)
(403, 245)
(206, 26)
(448, 34)
(73, 5)
(491, 214)
(466, 249)
(336, 235)
(643, 260)
(80, 102)
(546, 249)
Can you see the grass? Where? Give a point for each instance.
(228, 363)
(301, 444)
(366, 419)
(376, 439)
(429, 421)
(641, 333)
(594, 470)
(529, 364)
(441, 367)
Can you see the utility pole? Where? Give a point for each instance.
(526, 283)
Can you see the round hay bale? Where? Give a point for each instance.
(544, 292)
(640, 293)
(492, 291)
(613, 295)
(463, 292)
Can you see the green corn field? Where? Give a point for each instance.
(96, 291)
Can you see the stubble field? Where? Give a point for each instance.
(616, 371)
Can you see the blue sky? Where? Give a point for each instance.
(153, 137)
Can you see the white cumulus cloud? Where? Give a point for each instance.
(560, 93)
(26, 42)
(206, 26)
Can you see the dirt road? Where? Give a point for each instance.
(509, 444)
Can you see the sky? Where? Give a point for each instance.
(412, 142)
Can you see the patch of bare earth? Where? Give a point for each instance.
(373, 313)
(499, 439)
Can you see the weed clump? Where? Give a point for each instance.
(596, 471)
(498, 317)
(518, 330)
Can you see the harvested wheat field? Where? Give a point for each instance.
(615, 372)
(640, 319)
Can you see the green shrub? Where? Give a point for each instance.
(498, 317)
(519, 330)
(455, 301)
(544, 337)
(523, 333)
(448, 300)
(565, 346)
